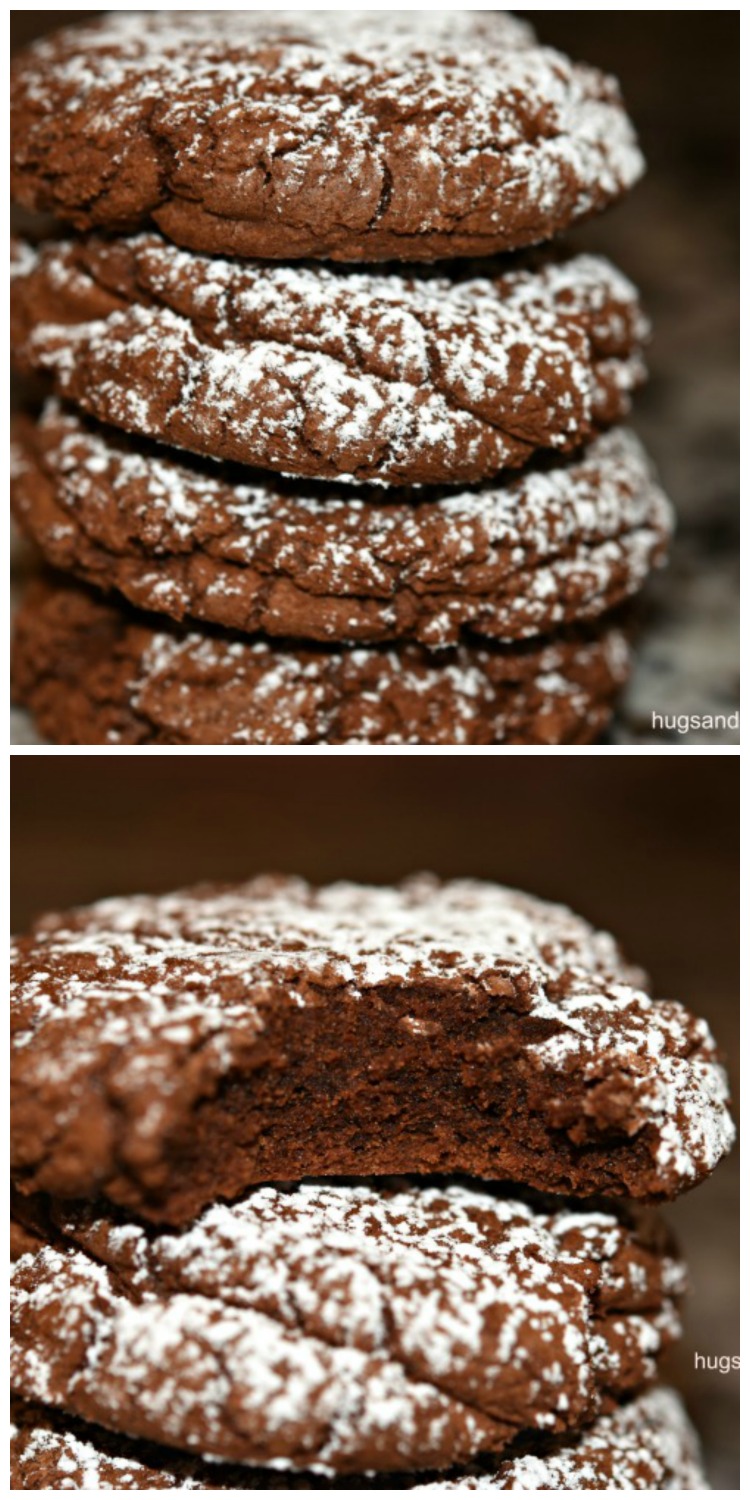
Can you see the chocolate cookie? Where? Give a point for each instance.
(317, 134)
(565, 541)
(93, 673)
(345, 1327)
(332, 374)
(22, 1239)
(169, 1050)
(647, 1444)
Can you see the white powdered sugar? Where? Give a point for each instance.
(647, 1444)
(396, 696)
(78, 1461)
(369, 934)
(158, 977)
(506, 558)
(441, 121)
(345, 1310)
(346, 375)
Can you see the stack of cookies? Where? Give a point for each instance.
(332, 456)
(220, 1284)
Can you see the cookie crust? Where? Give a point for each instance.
(347, 1031)
(347, 1328)
(94, 673)
(357, 376)
(311, 134)
(561, 543)
(647, 1444)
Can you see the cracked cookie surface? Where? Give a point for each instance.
(319, 134)
(171, 1049)
(565, 541)
(350, 1327)
(94, 672)
(647, 1444)
(398, 378)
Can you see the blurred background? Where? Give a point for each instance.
(677, 236)
(646, 846)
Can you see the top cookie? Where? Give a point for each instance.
(169, 1050)
(338, 135)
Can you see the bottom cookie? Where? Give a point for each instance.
(94, 673)
(648, 1444)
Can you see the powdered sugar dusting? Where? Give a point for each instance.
(351, 1311)
(646, 1444)
(327, 125)
(151, 979)
(178, 686)
(284, 695)
(512, 559)
(352, 376)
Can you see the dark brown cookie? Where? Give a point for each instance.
(647, 1444)
(342, 135)
(332, 374)
(565, 541)
(93, 672)
(348, 1327)
(22, 1239)
(169, 1050)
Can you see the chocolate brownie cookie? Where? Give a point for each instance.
(565, 541)
(169, 1050)
(647, 1444)
(346, 1327)
(317, 134)
(423, 378)
(95, 673)
(23, 1238)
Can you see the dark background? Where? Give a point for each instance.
(645, 845)
(676, 235)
